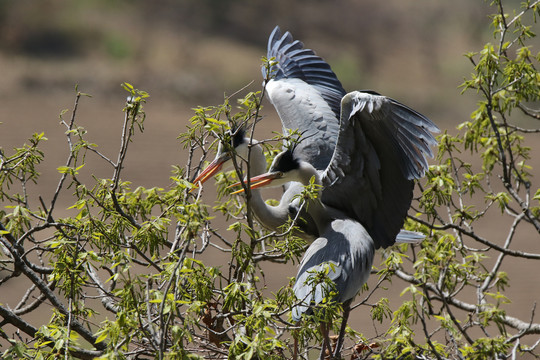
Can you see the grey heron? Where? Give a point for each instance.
(366, 192)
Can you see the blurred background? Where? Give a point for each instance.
(195, 52)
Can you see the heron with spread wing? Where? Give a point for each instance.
(366, 188)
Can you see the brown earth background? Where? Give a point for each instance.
(190, 53)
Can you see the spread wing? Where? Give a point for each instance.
(381, 148)
(307, 96)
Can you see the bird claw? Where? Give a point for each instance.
(358, 348)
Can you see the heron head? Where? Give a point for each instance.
(234, 142)
(283, 170)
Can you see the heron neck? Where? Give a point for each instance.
(255, 158)
(306, 172)
(271, 217)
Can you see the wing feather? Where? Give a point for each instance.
(381, 148)
(307, 96)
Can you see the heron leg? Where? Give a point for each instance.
(341, 337)
(326, 347)
(295, 350)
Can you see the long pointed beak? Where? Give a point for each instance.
(256, 182)
(210, 170)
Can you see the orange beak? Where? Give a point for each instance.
(257, 182)
(210, 170)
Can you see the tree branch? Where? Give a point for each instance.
(10, 318)
(517, 324)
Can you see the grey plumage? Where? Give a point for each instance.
(348, 137)
(299, 83)
(366, 153)
(381, 148)
(350, 265)
(306, 95)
